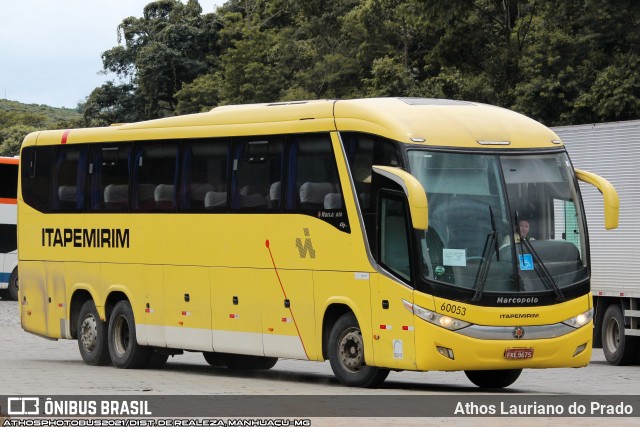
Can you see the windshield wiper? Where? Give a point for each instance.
(483, 271)
(542, 271)
(539, 266)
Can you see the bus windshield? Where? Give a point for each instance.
(501, 223)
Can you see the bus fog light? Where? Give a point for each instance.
(446, 352)
(579, 349)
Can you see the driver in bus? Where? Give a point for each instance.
(523, 233)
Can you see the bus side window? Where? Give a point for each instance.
(364, 151)
(257, 174)
(67, 179)
(394, 235)
(313, 177)
(36, 177)
(155, 177)
(8, 238)
(109, 177)
(205, 166)
(9, 180)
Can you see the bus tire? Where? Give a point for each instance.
(619, 349)
(346, 355)
(493, 379)
(14, 286)
(92, 336)
(124, 349)
(244, 361)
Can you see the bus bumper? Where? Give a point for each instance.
(438, 349)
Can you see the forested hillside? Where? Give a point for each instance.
(559, 61)
(17, 120)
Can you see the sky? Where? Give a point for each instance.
(50, 50)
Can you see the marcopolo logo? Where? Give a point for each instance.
(519, 300)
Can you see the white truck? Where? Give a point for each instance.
(612, 150)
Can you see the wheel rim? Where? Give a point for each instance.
(351, 350)
(121, 335)
(89, 333)
(612, 335)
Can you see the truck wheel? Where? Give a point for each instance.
(125, 351)
(92, 336)
(14, 286)
(493, 379)
(618, 348)
(346, 355)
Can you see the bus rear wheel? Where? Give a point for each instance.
(124, 349)
(618, 348)
(493, 379)
(14, 286)
(346, 355)
(92, 336)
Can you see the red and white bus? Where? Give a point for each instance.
(8, 235)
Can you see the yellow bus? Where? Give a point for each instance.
(380, 234)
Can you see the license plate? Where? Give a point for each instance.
(518, 353)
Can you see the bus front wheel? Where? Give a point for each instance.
(493, 379)
(346, 355)
(124, 349)
(618, 348)
(92, 336)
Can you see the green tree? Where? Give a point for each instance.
(559, 61)
(111, 103)
(615, 92)
(171, 44)
(579, 65)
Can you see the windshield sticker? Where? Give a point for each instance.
(526, 262)
(454, 257)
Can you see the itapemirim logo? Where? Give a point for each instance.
(307, 247)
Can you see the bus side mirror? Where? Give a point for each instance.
(414, 191)
(609, 193)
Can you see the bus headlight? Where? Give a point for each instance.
(580, 320)
(441, 320)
